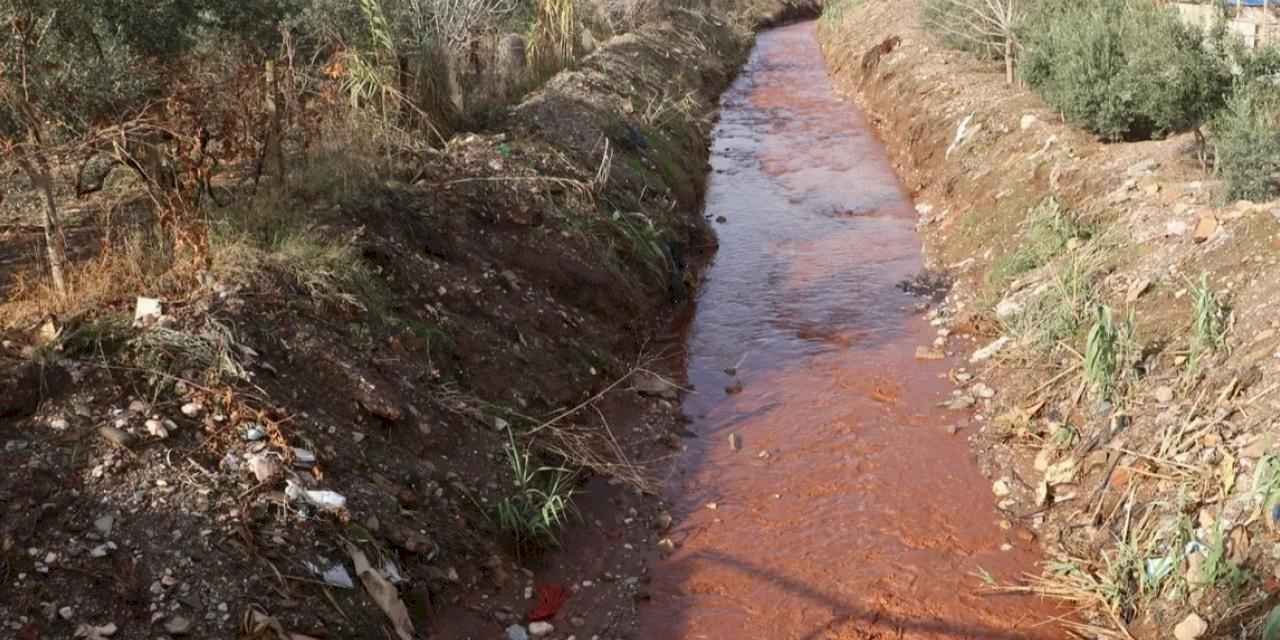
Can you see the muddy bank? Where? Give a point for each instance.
(517, 275)
(1152, 503)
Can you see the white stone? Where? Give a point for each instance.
(539, 629)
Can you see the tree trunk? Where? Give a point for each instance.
(1008, 60)
(275, 113)
(38, 173)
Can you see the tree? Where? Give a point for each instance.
(987, 26)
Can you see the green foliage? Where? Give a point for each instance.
(1208, 321)
(541, 503)
(1124, 70)
(1247, 139)
(1051, 229)
(1100, 353)
(1271, 628)
(80, 63)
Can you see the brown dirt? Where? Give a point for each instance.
(500, 294)
(974, 198)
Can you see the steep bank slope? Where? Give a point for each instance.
(506, 288)
(1155, 499)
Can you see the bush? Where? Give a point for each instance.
(1247, 142)
(1124, 70)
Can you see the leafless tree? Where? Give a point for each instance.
(985, 24)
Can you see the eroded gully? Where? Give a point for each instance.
(863, 517)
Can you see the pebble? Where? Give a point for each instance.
(157, 429)
(1191, 628)
(59, 424)
(517, 632)
(178, 626)
(539, 629)
(66, 613)
(192, 409)
(103, 525)
(1001, 488)
(1164, 395)
(116, 436)
(990, 350)
(983, 391)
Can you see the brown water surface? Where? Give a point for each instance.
(865, 519)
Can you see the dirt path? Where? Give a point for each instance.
(827, 498)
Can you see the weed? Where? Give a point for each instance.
(1100, 353)
(1064, 437)
(643, 239)
(1051, 230)
(834, 11)
(1217, 568)
(1208, 322)
(555, 30)
(541, 503)
(211, 349)
(1058, 313)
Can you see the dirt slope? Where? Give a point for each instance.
(1155, 503)
(521, 274)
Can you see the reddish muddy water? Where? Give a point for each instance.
(864, 518)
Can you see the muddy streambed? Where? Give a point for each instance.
(847, 508)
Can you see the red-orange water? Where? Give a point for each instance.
(865, 519)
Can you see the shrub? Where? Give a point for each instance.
(1123, 70)
(1246, 138)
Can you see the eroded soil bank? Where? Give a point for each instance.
(1154, 506)
(824, 492)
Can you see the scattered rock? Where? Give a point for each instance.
(1007, 309)
(990, 350)
(1028, 120)
(178, 626)
(500, 424)
(517, 632)
(734, 389)
(157, 429)
(667, 545)
(264, 467)
(59, 424)
(1191, 628)
(1175, 228)
(1061, 473)
(648, 384)
(1045, 458)
(721, 219)
(960, 403)
(1136, 289)
(1142, 168)
(1164, 394)
(66, 613)
(539, 629)
(1206, 228)
(1001, 488)
(735, 442)
(927, 353)
(103, 525)
(192, 409)
(122, 439)
(983, 391)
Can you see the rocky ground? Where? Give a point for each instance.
(1155, 503)
(267, 456)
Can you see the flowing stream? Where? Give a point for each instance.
(849, 510)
